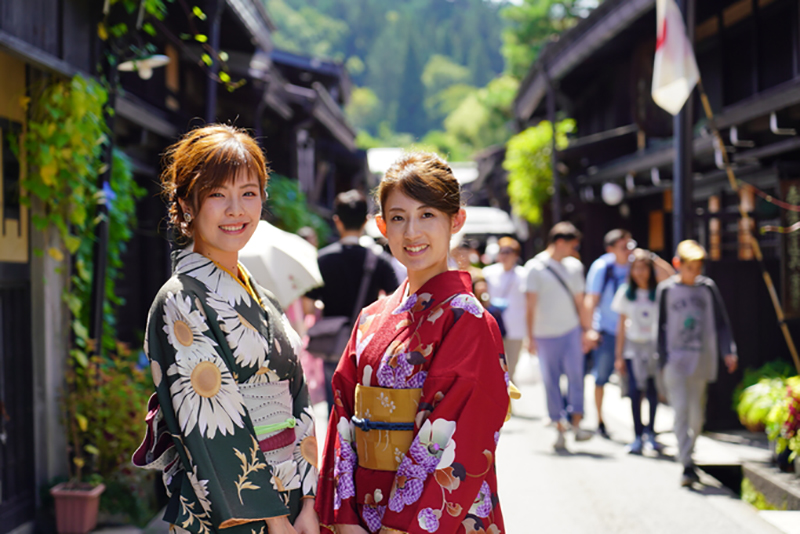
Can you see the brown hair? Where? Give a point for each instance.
(426, 178)
(205, 159)
(511, 243)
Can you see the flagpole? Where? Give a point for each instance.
(682, 183)
(773, 294)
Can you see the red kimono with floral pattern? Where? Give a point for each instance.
(439, 339)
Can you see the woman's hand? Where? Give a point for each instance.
(307, 521)
(280, 525)
(619, 364)
(350, 529)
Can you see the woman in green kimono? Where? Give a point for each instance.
(230, 424)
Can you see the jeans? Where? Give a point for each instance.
(635, 394)
(558, 356)
(603, 359)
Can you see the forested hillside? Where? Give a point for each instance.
(429, 71)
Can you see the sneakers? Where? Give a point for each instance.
(636, 446)
(689, 477)
(561, 442)
(651, 443)
(601, 431)
(581, 434)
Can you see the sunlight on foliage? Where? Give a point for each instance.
(529, 166)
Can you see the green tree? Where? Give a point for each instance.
(533, 24)
(307, 31)
(364, 109)
(529, 165)
(411, 103)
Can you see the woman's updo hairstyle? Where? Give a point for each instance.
(204, 160)
(426, 178)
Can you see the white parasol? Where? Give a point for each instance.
(282, 262)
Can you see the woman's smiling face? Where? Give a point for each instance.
(418, 235)
(228, 217)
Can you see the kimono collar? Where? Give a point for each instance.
(440, 287)
(215, 277)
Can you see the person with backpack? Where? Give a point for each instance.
(554, 288)
(606, 275)
(354, 277)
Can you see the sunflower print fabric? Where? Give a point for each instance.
(207, 333)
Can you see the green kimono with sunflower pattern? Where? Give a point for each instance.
(207, 337)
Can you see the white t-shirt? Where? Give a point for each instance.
(508, 287)
(640, 314)
(555, 313)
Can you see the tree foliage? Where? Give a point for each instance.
(389, 46)
(529, 165)
(532, 24)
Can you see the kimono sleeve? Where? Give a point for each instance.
(448, 475)
(306, 442)
(225, 480)
(336, 499)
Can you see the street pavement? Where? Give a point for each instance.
(598, 487)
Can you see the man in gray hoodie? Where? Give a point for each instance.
(693, 333)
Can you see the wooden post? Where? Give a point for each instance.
(551, 116)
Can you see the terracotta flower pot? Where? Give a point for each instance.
(76, 508)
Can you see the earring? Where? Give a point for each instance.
(187, 217)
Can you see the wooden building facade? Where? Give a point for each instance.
(52, 39)
(600, 73)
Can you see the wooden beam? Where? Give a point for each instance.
(36, 57)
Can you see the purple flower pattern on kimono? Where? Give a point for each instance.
(344, 465)
(432, 448)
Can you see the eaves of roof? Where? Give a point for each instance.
(574, 47)
(254, 17)
(774, 99)
(328, 112)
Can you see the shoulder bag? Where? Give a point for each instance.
(328, 337)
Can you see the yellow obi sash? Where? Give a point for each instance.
(384, 423)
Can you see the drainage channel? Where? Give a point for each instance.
(729, 476)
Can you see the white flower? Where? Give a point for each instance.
(292, 335)
(346, 430)
(387, 403)
(285, 476)
(438, 436)
(305, 450)
(205, 394)
(249, 347)
(215, 279)
(200, 489)
(361, 343)
(185, 328)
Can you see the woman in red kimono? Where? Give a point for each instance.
(421, 389)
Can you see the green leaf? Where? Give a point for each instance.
(149, 29)
(91, 449)
(83, 422)
(72, 243)
(80, 329)
(80, 357)
(207, 59)
(223, 56)
(198, 13)
(225, 77)
(201, 38)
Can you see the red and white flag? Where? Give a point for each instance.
(675, 70)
